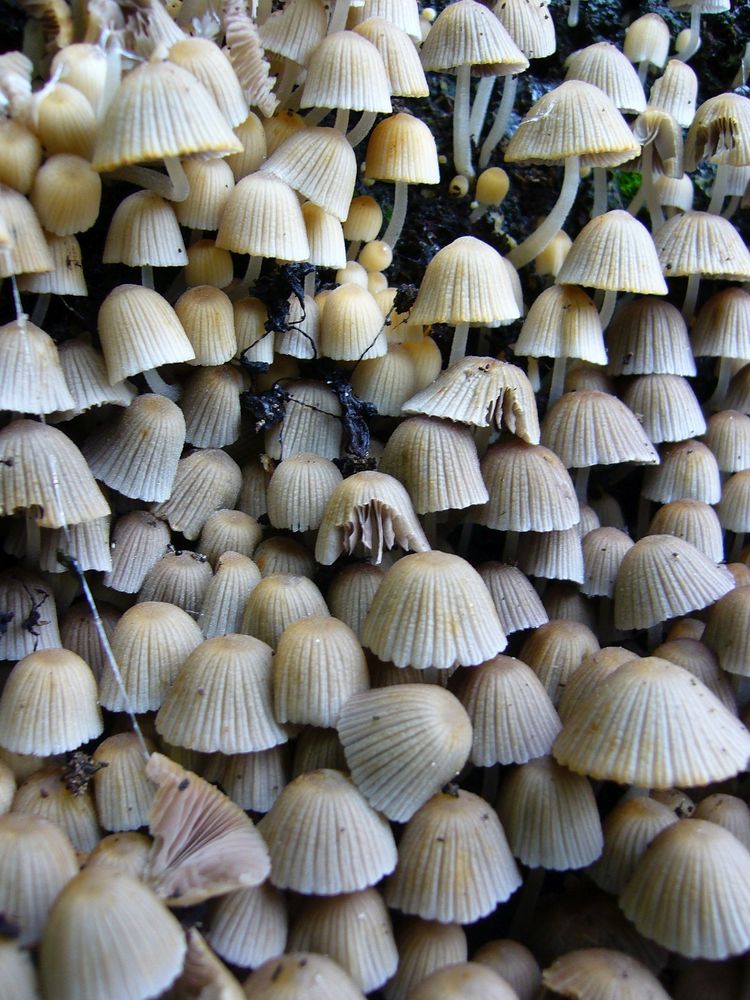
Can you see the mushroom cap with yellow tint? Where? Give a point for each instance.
(402, 148)
(615, 252)
(262, 217)
(602, 974)
(346, 71)
(301, 976)
(318, 163)
(466, 32)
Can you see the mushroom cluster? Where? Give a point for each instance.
(374, 550)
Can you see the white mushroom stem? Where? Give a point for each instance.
(315, 117)
(558, 379)
(694, 41)
(582, 484)
(608, 307)
(480, 105)
(392, 233)
(458, 347)
(341, 124)
(40, 308)
(539, 239)
(648, 189)
(502, 117)
(716, 402)
(286, 81)
(157, 384)
(339, 16)
(600, 192)
(719, 190)
(691, 297)
(147, 276)
(573, 14)
(362, 129)
(174, 187)
(461, 117)
(643, 66)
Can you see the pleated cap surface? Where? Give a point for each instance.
(402, 744)
(320, 164)
(652, 724)
(616, 252)
(301, 976)
(324, 838)
(597, 973)
(701, 243)
(262, 217)
(433, 610)
(464, 32)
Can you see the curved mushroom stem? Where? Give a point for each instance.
(461, 116)
(694, 41)
(599, 206)
(286, 81)
(175, 187)
(458, 347)
(732, 205)
(608, 307)
(250, 277)
(362, 129)
(315, 116)
(341, 124)
(501, 120)
(392, 233)
(647, 186)
(716, 402)
(643, 66)
(539, 239)
(691, 297)
(157, 384)
(480, 105)
(147, 275)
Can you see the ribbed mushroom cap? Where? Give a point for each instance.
(688, 469)
(701, 243)
(517, 603)
(221, 699)
(206, 481)
(589, 428)
(144, 231)
(433, 610)
(467, 981)
(728, 631)
(352, 327)
(318, 163)
(178, 578)
(31, 375)
(675, 92)
(277, 601)
(211, 405)
(318, 667)
(369, 512)
(728, 811)
(49, 704)
(161, 110)
(481, 392)
(139, 540)
(211, 182)
(698, 659)
(607, 68)
(46, 793)
(295, 30)
(602, 974)
(423, 947)
(466, 282)
(562, 322)
(720, 132)
(734, 506)
(28, 251)
(530, 489)
(628, 830)
(86, 377)
(67, 278)
(352, 591)
(728, 437)
(603, 551)
(402, 744)
(324, 838)
(550, 816)
(66, 194)
(615, 252)
(300, 976)
(454, 863)
(36, 860)
(647, 40)
(355, 930)
(402, 148)
(139, 454)
(249, 926)
(662, 577)
(346, 71)
(108, 935)
(466, 32)
(555, 650)
(400, 56)
(210, 66)
(18, 640)
(530, 27)
(693, 520)
(403, 15)
(437, 462)
(283, 555)
(207, 317)
(262, 217)
(652, 724)
(711, 919)
(648, 336)
(43, 472)
(573, 119)
(667, 406)
(722, 326)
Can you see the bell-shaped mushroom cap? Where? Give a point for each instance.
(573, 119)
(720, 132)
(86, 376)
(123, 792)
(49, 704)
(399, 53)
(318, 163)
(517, 603)
(402, 744)
(249, 926)
(161, 110)
(464, 33)
(667, 405)
(562, 322)
(423, 947)
(722, 326)
(369, 511)
(511, 714)
(652, 724)
(712, 920)
(728, 437)
(728, 631)
(688, 469)
(36, 860)
(352, 326)
(324, 838)
(277, 601)
(41, 468)
(466, 981)
(21, 594)
(481, 392)
(701, 243)
(605, 66)
(454, 863)
(628, 830)
(663, 576)
(262, 217)
(319, 665)
(220, 699)
(433, 610)
(402, 148)
(300, 976)
(346, 71)
(31, 375)
(466, 282)
(206, 481)
(615, 252)
(108, 935)
(144, 231)
(354, 929)
(204, 845)
(646, 336)
(589, 428)
(179, 578)
(549, 815)
(728, 811)
(596, 973)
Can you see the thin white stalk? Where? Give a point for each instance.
(174, 187)
(600, 192)
(392, 233)
(315, 117)
(362, 129)
(719, 190)
(608, 307)
(582, 484)
(539, 239)
(461, 114)
(157, 384)
(286, 81)
(458, 347)
(502, 117)
(716, 402)
(147, 275)
(694, 41)
(558, 379)
(691, 297)
(573, 14)
(40, 308)
(480, 105)
(339, 16)
(341, 124)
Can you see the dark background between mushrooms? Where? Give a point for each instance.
(443, 218)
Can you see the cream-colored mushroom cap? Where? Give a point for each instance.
(301, 976)
(596, 973)
(318, 163)
(402, 148)
(614, 251)
(262, 217)
(346, 71)
(466, 32)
